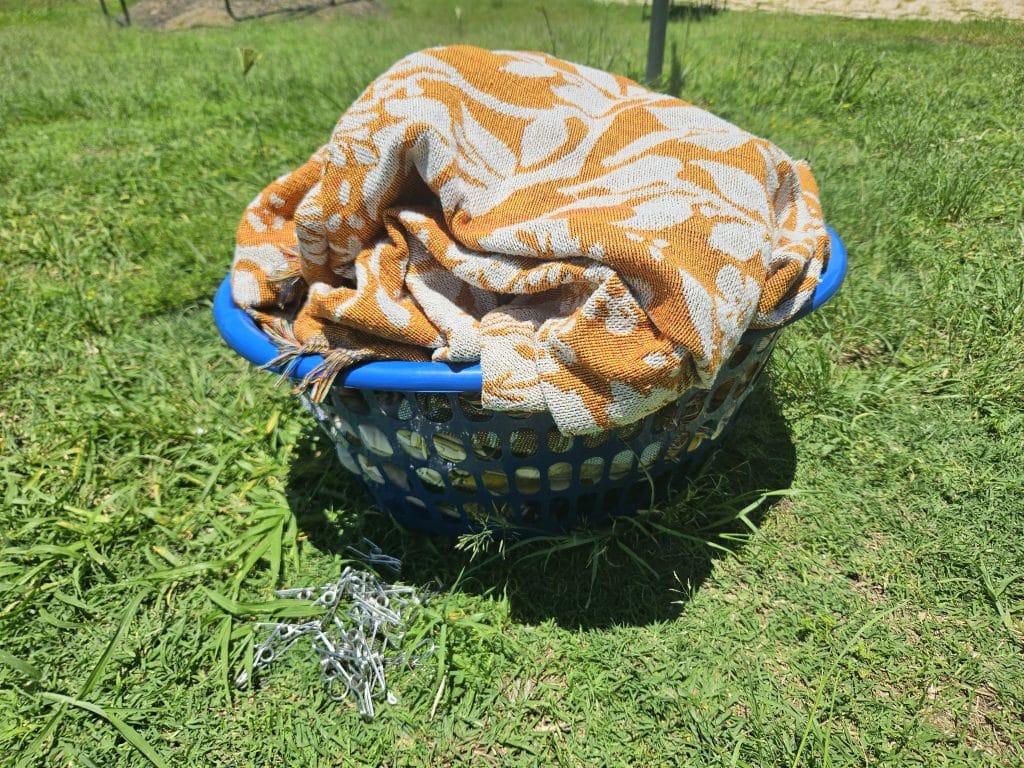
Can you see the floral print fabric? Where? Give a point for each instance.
(599, 248)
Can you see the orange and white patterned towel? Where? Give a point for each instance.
(598, 247)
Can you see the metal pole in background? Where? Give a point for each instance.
(656, 42)
(125, 21)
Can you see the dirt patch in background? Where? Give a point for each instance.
(181, 14)
(947, 10)
(934, 10)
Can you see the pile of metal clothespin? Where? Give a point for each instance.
(359, 636)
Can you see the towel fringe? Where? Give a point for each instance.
(317, 383)
(290, 349)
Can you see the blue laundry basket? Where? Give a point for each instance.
(440, 463)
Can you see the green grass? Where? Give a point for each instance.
(870, 614)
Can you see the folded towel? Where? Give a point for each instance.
(599, 248)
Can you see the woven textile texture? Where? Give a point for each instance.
(599, 248)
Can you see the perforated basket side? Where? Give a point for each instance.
(441, 463)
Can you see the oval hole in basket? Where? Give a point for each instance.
(412, 443)
(649, 455)
(431, 479)
(469, 404)
(495, 481)
(622, 462)
(741, 387)
(475, 512)
(694, 407)
(561, 509)
(629, 431)
(750, 373)
(375, 440)
(678, 445)
(449, 511)
(413, 501)
(349, 399)
(523, 442)
(560, 476)
(721, 394)
(462, 481)
(591, 469)
(528, 479)
(612, 501)
(449, 447)
(486, 445)
(370, 472)
(343, 430)
(586, 508)
(531, 512)
(394, 404)
(345, 457)
(698, 438)
(502, 515)
(434, 406)
(596, 440)
(739, 355)
(665, 419)
(640, 494)
(557, 442)
(396, 475)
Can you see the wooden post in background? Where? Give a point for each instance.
(656, 41)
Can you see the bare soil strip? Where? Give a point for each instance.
(934, 10)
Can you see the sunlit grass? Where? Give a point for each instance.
(155, 489)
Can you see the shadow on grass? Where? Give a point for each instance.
(638, 571)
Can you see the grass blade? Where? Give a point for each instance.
(90, 682)
(636, 558)
(129, 734)
(19, 665)
(241, 608)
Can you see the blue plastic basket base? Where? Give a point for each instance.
(440, 463)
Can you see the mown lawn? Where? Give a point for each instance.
(872, 614)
